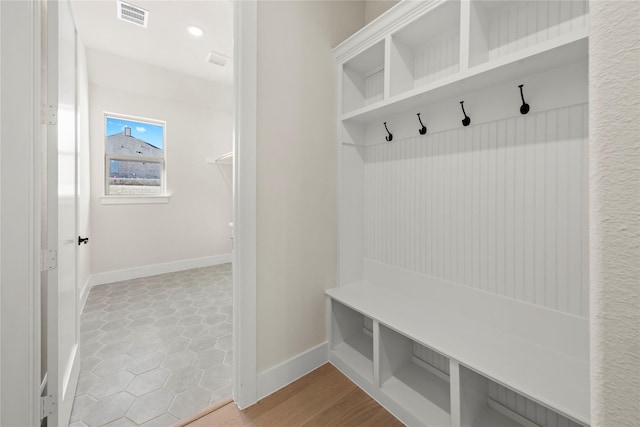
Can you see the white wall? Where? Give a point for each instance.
(375, 8)
(194, 224)
(296, 171)
(614, 69)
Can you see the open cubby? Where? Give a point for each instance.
(426, 50)
(352, 339)
(500, 28)
(474, 403)
(485, 403)
(363, 78)
(412, 383)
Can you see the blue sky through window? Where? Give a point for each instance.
(148, 132)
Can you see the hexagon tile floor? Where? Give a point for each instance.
(155, 350)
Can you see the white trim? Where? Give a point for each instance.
(133, 200)
(69, 384)
(20, 212)
(290, 370)
(374, 32)
(84, 294)
(51, 213)
(152, 270)
(1, 258)
(244, 203)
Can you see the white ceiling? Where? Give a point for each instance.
(165, 42)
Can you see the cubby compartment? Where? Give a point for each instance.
(419, 388)
(426, 50)
(485, 403)
(352, 339)
(363, 79)
(500, 28)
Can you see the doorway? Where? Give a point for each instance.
(148, 233)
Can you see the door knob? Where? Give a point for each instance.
(82, 240)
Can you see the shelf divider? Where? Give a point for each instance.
(454, 384)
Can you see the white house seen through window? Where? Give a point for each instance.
(134, 156)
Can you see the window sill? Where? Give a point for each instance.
(133, 200)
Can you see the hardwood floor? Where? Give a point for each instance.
(324, 397)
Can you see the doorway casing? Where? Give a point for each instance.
(244, 203)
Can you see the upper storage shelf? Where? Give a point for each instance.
(426, 50)
(363, 78)
(422, 52)
(500, 28)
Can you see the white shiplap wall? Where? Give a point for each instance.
(500, 206)
(437, 59)
(431, 357)
(515, 25)
(374, 87)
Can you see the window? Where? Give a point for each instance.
(134, 156)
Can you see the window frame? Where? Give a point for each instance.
(139, 198)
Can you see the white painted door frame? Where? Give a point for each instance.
(244, 203)
(20, 167)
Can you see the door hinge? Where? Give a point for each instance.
(47, 406)
(49, 260)
(49, 115)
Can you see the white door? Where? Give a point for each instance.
(63, 360)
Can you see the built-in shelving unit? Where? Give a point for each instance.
(462, 294)
(458, 47)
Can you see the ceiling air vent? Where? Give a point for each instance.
(218, 59)
(133, 14)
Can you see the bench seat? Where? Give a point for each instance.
(540, 353)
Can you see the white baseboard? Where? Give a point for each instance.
(69, 385)
(290, 370)
(88, 284)
(150, 270)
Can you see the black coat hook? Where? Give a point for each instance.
(524, 108)
(423, 129)
(390, 137)
(467, 120)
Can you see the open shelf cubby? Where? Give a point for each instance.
(500, 28)
(485, 403)
(352, 339)
(474, 403)
(426, 50)
(363, 78)
(418, 387)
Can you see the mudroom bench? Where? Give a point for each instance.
(437, 353)
(462, 293)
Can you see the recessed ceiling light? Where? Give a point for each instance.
(195, 31)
